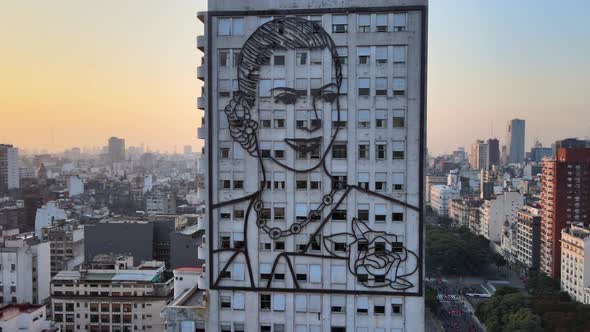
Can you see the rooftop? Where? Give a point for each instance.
(12, 310)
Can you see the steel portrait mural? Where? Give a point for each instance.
(377, 260)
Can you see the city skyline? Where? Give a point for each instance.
(97, 81)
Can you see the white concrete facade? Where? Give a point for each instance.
(575, 262)
(24, 270)
(441, 197)
(494, 213)
(377, 148)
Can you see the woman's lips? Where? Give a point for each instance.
(304, 144)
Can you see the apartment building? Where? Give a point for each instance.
(24, 268)
(66, 241)
(315, 158)
(110, 294)
(528, 237)
(565, 200)
(499, 212)
(575, 262)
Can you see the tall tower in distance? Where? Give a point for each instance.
(515, 141)
(116, 149)
(9, 171)
(315, 149)
(493, 152)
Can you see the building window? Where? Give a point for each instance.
(224, 153)
(364, 23)
(224, 58)
(224, 88)
(363, 180)
(316, 57)
(399, 120)
(339, 119)
(380, 212)
(396, 309)
(381, 55)
(363, 212)
(380, 151)
(339, 24)
(364, 118)
(397, 216)
(364, 86)
(339, 151)
(399, 54)
(301, 87)
(363, 151)
(265, 301)
(381, 119)
(342, 55)
(364, 55)
(301, 58)
(301, 273)
(380, 181)
(381, 86)
(279, 213)
(382, 24)
(399, 86)
(316, 181)
(398, 151)
(279, 60)
(362, 304)
(230, 26)
(225, 301)
(399, 22)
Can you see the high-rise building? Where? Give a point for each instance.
(493, 152)
(315, 160)
(515, 141)
(479, 157)
(565, 200)
(9, 176)
(116, 149)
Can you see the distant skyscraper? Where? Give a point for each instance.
(493, 152)
(515, 141)
(116, 149)
(9, 177)
(479, 157)
(564, 200)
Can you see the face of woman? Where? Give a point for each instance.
(307, 140)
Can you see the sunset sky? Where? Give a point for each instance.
(73, 73)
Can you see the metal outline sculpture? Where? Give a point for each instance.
(256, 50)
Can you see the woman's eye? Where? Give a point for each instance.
(328, 96)
(286, 98)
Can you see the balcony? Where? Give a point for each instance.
(201, 103)
(201, 42)
(202, 72)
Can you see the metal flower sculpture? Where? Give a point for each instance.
(375, 256)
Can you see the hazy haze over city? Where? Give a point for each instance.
(74, 74)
